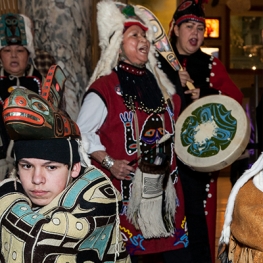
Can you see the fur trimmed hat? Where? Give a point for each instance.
(15, 30)
(112, 19)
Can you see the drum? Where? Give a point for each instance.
(211, 133)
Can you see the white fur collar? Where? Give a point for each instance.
(258, 181)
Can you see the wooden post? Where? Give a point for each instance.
(8, 6)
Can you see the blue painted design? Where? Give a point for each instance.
(25, 213)
(127, 118)
(183, 240)
(137, 241)
(132, 250)
(78, 187)
(98, 240)
(130, 142)
(124, 209)
(217, 117)
(177, 202)
(170, 112)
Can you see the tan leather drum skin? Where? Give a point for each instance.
(211, 133)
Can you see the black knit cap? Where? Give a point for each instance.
(56, 150)
(38, 127)
(189, 10)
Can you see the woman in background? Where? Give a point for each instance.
(16, 49)
(209, 77)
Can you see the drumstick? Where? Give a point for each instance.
(189, 84)
(162, 43)
(162, 140)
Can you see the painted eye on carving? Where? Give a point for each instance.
(39, 106)
(20, 101)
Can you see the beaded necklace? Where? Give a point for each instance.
(140, 89)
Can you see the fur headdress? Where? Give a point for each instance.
(111, 19)
(15, 30)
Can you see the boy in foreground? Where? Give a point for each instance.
(48, 212)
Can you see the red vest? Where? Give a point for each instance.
(118, 135)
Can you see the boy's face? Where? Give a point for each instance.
(43, 180)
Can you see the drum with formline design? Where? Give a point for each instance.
(211, 133)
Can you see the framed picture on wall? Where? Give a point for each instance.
(213, 27)
(214, 51)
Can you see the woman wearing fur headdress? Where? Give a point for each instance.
(127, 116)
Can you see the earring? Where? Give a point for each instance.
(122, 57)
